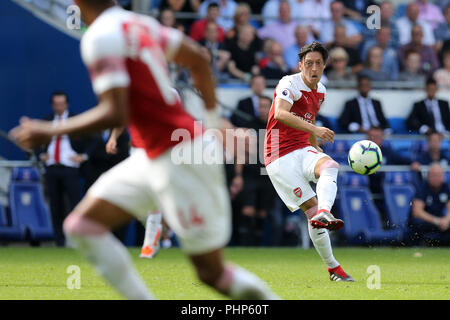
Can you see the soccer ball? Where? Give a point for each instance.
(365, 157)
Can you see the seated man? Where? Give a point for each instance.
(362, 113)
(430, 114)
(430, 218)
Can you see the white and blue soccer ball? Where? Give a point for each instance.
(365, 157)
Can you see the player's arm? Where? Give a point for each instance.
(189, 55)
(282, 113)
(313, 139)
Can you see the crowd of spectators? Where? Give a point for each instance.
(245, 38)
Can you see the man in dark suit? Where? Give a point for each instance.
(63, 157)
(362, 113)
(430, 114)
(249, 105)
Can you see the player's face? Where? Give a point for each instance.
(312, 67)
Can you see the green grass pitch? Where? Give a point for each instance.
(295, 274)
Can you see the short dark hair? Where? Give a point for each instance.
(59, 93)
(362, 77)
(430, 80)
(313, 47)
(212, 5)
(266, 97)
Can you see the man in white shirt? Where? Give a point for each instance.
(405, 24)
(62, 158)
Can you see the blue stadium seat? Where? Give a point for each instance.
(447, 177)
(397, 199)
(361, 217)
(352, 180)
(27, 204)
(404, 147)
(399, 177)
(9, 231)
(338, 150)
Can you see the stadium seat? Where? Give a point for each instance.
(338, 150)
(397, 200)
(9, 231)
(398, 125)
(27, 204)
(399, 177)
(361, 217)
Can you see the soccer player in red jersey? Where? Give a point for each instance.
(127, 56)
(293, 159)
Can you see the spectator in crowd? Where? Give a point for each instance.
(430, 214)
(442, 76)
(405, 25)
(216, 51)
(270, 11)
(362, 113)
(387, 21)
(290, 55)
(63, 157)
(241, 18)
(198, 29)
(191, 6)
(442, 31)
(390, 57)
(315, 13)
(226, 9)
(373, 66)
(433, 151)
(430, 114)
(412, 71)
(250, 105)
(258, 192)
(167, 18)
(339, 69)
(352, 35)
(430, 13)
(340, 40)
(275, 66)
(428, 58)
(356, 9)
(243, 55)
(282, 30)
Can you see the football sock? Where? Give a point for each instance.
(326, 187)
(240, 284)
(152, 229)
(110, 258)
(321, 240)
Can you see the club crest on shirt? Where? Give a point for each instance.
(298, 192)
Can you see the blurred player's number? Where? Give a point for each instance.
(374, 20)
(374, 279)
(74, 279)
(73, 21)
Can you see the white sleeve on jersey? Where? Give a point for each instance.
(170, 40)
(104, 54)
(287, 90)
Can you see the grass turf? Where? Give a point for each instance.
(405, 273)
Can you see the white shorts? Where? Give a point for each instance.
(291, 175)
(193, 197)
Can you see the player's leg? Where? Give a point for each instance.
(88, 227)
(115, 197)
(153, 231)
(230, 280)
(321, 240)
(326, 172)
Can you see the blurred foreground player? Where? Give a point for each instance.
(127, 56)
(293, 159)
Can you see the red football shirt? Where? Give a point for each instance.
(281, 139)
(124, 49)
